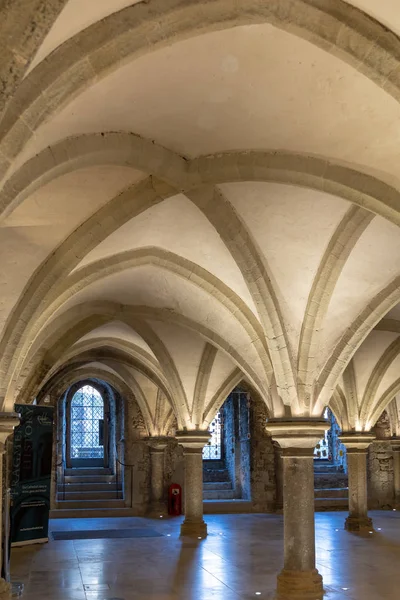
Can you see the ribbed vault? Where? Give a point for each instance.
(176, 211)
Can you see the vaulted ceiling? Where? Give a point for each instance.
(196, 194)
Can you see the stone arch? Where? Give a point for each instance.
(268, 166)
(164, 260)
(173, 263)
(200, 389)
(256, 274)
(338, 407)
(220, 396)
(100, 313)
(344, 239)
(342, 30)
(376, 377)
(77, 152)
(23, 29)
(382, 403)
(124, 207)
(109, 350)
(351, 340)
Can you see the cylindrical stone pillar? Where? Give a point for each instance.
(157, 497)
(278, 478)
(396, 471)
(299, 579)
(193, 443)
(357, 448)
(7, 423)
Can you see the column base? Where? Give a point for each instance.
(157, 510)
(355, 524)
(5, 590)
(194, 529)
(299, 585)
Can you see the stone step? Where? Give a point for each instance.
(87, 513)
(322, 504)
(80, 496)
(86, 486)
(217, 485)
(332, 493)
(86, 504)
(211, 475)
(330, 480)
(88, 472)
(219, 494)
(90, 479)
(325, 468)
(227, 506)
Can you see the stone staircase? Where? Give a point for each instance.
(89, 492)
(218, 490)
(219, 495)
(331, 487)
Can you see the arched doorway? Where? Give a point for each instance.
(87, 429)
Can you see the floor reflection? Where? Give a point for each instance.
(239, 560)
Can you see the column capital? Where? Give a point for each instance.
(193, 440)
(395, 443)
(8, 421)
(302, 433)
(357, 441)
(158, 443)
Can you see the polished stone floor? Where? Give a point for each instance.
(239, 560)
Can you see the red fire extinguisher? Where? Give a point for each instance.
(174, 499)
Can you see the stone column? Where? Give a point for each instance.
(395, 441)
(278, 477)
(299, 579)
(7, 423)
(357, 444)
(157, 497)
(193, 443)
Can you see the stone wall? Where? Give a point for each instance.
(137, 465)
(380, 467)
(380, 475)
(248, 451)
(244, 464)
(229, 438)
(174, 466)
(262, 456)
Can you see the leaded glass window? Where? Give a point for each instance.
(322, 450)
(213, 450)
(87, 417)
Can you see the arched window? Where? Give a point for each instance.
(322, 450)
(213, 450)
(86, 428)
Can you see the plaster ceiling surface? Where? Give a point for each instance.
(103, 366)
(68, 200)
(148, 388)
(253, 87)
(119, 331)
(387, 12)
(355, 286)
(75, 16)
(37, 226)
(283, 220)
(22, 249)
(392, 375)
(368, 355)
(170, 225)
(250, 87)
(394, 313)
(185, 349)
(222, 369)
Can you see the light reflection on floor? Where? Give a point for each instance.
(239, 560)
